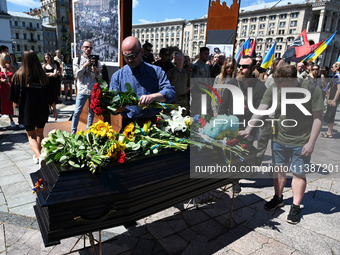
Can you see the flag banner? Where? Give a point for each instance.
(252, 51)
(323, 45)
(241, 52)
(268, 59)
(247, 46)
(298, 49)
(221, 27)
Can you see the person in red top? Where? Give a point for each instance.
(6, 74)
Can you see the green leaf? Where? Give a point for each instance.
(128, 87)
(63, 159)
(102, 84)
(58, 156)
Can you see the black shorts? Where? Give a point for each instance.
(30, 128)
(329, 116)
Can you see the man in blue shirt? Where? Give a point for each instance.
(149, 82)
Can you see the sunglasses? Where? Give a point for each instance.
(7, 59)
(244, 66)
(315, 69)
(88, 47)
(131, 56)
(229, 67)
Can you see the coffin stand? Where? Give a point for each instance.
(74, 202)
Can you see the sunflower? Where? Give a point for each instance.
(102, 129)
(128, 131)
(115, 148)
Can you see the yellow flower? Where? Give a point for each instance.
(81, 132)
(115, 148)
(188, 121)
(128, 131)
(146, 127)
(102, 129)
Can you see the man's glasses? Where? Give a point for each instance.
(244, 66)
(131, 56)
(88, 47)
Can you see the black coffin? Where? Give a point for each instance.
(75, 202)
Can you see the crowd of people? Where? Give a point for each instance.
(36, 88)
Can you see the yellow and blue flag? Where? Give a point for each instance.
(338, 59)
(242, 50)
(247, 46)
(320, 49)
(268, 59)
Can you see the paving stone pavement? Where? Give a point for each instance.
(176, 230)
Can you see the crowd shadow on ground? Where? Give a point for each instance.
(9, 139)
(205, 229)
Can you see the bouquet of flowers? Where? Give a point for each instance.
(220, 131)
(94, 148)
(103, 99)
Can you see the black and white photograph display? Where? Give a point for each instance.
(97, 21)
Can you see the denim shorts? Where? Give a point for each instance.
(291, 156)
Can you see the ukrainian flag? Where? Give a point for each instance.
(247, 46)
(338, 59)
(268, 59)
(320, 49)
(242, 51)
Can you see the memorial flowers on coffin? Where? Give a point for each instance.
(93, 148)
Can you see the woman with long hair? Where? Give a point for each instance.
(228, 72)
(51, 71)
(31, 90)
(68, 76)
(6, 75)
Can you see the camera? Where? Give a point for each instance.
(94, 59)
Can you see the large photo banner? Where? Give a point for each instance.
(99, 22)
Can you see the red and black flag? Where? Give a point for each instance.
(299, 49)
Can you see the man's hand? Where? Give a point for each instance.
(332, 103)
(145, 100)
(307, 149)
(245, 133)
(95, 70)
(88, 63)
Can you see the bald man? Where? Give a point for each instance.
(149, 82)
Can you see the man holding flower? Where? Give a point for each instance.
(148, 82)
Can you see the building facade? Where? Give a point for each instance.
(56, 13)
(161, 34)
(282, 22)
(5, 38)
(26, 33)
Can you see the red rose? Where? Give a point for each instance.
(235, 141)
(244, 146)
(202, 122)
(121, 157)
(230, 143)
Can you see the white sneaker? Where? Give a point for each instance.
(36, 160)
(13, 124)
(21, 126)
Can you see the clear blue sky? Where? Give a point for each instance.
(150, 10)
